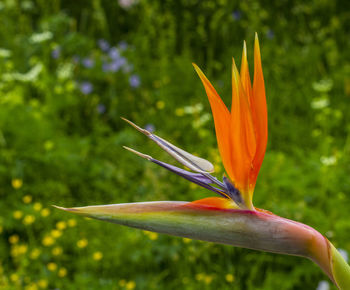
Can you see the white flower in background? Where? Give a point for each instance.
(323, 285)
(319, 103)
(328, 160)
(41, 37)
(126, 4)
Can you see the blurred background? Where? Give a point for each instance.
(70, 69)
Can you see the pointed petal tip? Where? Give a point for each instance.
(256, 44)
(144, 131)
(199, 71)
(145, 156)
(63, 208)
(235, 72)
(244, 47)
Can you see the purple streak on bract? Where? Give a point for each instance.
(196, 178)
(86, 88)
(88, 62)
(103, 44)
(232, 191)
(56, 53)
(101, 108)
(134, 81)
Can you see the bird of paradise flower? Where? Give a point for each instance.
(231, 218)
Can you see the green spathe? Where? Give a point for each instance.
(340, 269)
(243, 228)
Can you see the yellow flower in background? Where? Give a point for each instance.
(56, 233)
(28, 219)
(22, 249)
(61, 225)
(43, 283)
(31, 286)
(37, 206)
(72, 223)
(52, 266)
(17, 183)
(97, 256)
(122, 283)
(207, 279)
(48, 241)
(18, 250)
(130, 285)
(35, 253)
(153, 236)
(56, 251)
(186, 240)
(14, 239)
(45, 212)
(82, 243)
(229, 278)
(160, 105)
(14, 277)
(27, 199)
(17, 214)
(179, 112)
(62, 272)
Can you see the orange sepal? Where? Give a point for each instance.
(259, 114)
(222, 122)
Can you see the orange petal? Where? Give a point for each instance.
(221, 120)
(242, 134)
(259, 114)
(245, 78)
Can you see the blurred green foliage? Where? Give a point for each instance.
(70, 69)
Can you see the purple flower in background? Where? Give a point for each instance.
(236, 15)
(88, 62)
(56, 52)
(122, 45)
(86, 87)
(134, 81)
(106, 67)
(76, 58)
(101, 108)
(114, 53)
(103, 44)
(117, 64)
(150, 128)
(270, 34)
